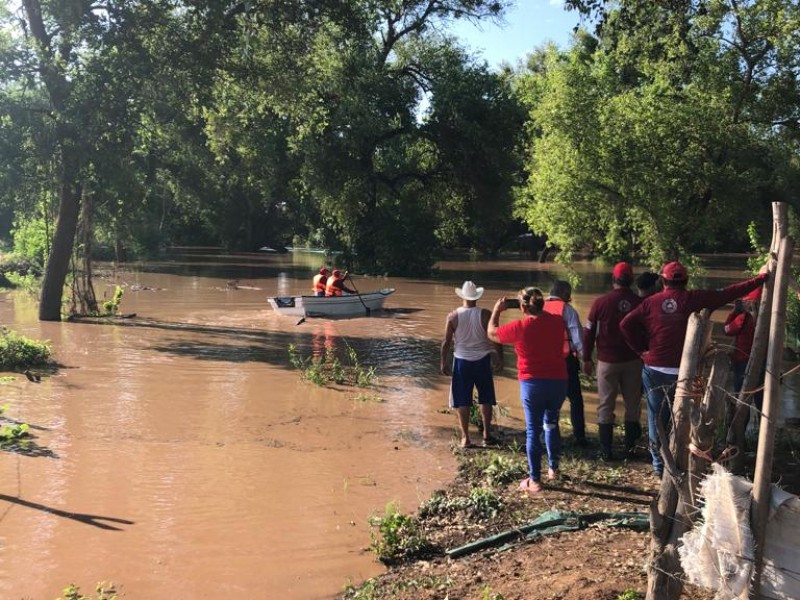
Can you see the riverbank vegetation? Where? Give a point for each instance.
(19, 353)
(324, 367)
(474, 539)
(660, 131)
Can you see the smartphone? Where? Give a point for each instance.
(512, 303)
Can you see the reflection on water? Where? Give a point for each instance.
(220, 472)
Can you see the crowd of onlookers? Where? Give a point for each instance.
(631, 342)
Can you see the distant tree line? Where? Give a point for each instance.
(363, 126)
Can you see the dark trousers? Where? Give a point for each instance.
(575, 396)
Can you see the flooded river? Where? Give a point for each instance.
(179, 455)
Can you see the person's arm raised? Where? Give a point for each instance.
(494, 320)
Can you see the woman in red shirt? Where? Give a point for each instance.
(538, 339)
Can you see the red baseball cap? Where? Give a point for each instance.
(336, 272)
(674, 271)
(323, 271)
(622, 270)
(755, 295)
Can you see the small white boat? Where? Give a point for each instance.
(336, 306)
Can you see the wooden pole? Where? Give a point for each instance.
(780, 225)
(670, 511)
(706, 416)
(759, 511)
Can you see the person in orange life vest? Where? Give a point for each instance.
(656, 329)
(320, 282)
(538, 339)
(619, 369)
(558, 304)
(335, 285)
(741, 323)
(465, 332)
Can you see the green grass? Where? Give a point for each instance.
(396, 536)
(18, 352)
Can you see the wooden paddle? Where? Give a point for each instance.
(364, 304)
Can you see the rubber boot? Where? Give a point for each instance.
(606, 433)
(633, 431)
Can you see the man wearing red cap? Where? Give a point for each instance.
(741, 323)
(320, 282)
(619, 368)
(656, 330)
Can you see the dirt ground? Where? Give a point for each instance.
(596, 563)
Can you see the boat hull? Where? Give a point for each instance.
(338, 306)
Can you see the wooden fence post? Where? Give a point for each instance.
(736, 431)
(759, 511)
(670, 511)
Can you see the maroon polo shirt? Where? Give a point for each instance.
(657, 327)
(602, 326)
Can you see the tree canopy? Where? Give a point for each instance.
(364, 126)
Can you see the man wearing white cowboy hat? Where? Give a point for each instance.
(465, 330)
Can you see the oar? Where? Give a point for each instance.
(364, 304)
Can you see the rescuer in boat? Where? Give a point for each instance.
(335, 285)
(320, 282)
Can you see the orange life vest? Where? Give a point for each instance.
(320, 281)
(555, 306)
(331, 289)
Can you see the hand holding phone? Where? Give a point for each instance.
(512, 302)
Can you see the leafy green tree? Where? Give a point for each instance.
(642, 139)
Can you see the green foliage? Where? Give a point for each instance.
(396, 536)
(503, 469)
(103, 591)
(488, 594)
(32, 239)
(29, 283)
(111, 307)
(10, 433)
(365, 591)
(642, 140)
(631, 595)
(18, 352)
(480, 503)
(326, 368)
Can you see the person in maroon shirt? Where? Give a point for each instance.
(741, 323)
(619, 368)
(656, 329)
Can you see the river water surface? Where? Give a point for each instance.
(180, 456)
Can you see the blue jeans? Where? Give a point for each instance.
(541, 401)
(660, 391)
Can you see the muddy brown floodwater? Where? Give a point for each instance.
(178, 454)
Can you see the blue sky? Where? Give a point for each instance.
(528, 24)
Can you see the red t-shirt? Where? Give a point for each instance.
(657, 327)
(743, 326)
(539, 344)
(602, 326)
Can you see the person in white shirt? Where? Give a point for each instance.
(465, 332)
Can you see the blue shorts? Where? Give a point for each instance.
(469, 374)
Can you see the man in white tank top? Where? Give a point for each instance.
(465, 330)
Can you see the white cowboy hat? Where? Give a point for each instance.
(468, 291)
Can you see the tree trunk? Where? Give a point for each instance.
(55, 274)
(671, 510)
(58, 89)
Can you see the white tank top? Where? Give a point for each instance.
(471, 341)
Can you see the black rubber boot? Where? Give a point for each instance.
(633, 431)
(606, 433)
